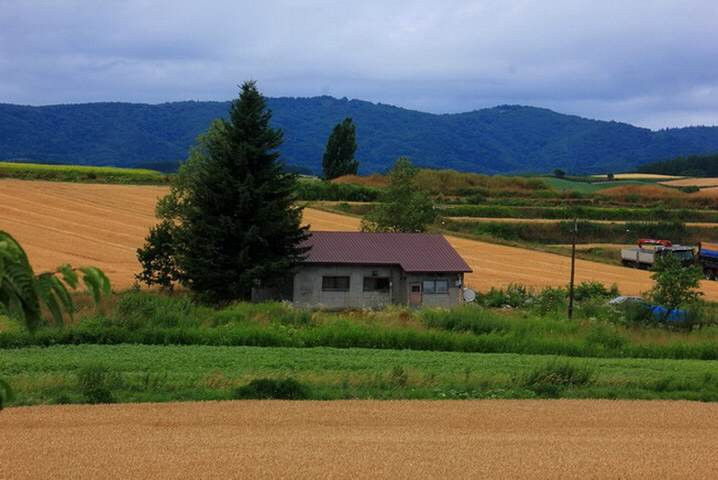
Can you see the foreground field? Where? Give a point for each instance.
(104, 225)
(154, 373)
(363, 439)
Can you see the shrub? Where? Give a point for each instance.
(6, 393)
(94, 384)
(320, 190)
(550, 299)
(515, 295)
(398, 377)
(591, 289)
(550, 379)
(272, 388)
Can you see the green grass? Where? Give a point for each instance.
(138, 373)
(82, 174)
(537, 325)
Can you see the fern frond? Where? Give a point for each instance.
(68, 275)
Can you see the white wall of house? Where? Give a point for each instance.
(310, 287)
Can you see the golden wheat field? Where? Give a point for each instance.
(638, 176)
(692, 182)
(103, 225)
(363, 439)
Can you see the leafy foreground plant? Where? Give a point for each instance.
(6, 393)
(550, 379)
(94, 384)
(22, 293)
(272, 388)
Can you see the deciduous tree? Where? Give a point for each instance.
(404, 207)
(675, 285)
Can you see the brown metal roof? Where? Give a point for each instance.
(414, 252)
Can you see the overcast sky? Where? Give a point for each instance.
(652, 63)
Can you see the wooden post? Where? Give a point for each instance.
(573, 268)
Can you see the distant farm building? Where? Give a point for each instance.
(367, 270)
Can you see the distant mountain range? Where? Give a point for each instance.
(503, 139)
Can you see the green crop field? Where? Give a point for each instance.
(80, 173)
(137, 373)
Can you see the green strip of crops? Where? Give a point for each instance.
(137, 373)
(80, 173)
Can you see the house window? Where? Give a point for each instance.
(376, 284)
(335, 284)
(436, 286)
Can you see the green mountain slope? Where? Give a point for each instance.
(499, 139)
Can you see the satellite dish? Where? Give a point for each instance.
(469, 295)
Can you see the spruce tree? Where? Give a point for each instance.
(338, 157)
(232, 205)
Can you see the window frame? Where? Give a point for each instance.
(377, 290)
(334, 278)
(434, 290)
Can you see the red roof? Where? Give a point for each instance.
(414, 252)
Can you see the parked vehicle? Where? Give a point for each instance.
(708, 259)
(649, 250)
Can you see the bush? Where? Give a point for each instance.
(94, 384)
(272, 388)
(549, 300)
(321, 190)
(550, 379)
(515, 296)
(6, 393)
(592, 289)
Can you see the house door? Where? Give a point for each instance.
(415, 294)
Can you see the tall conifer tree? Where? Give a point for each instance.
(232, 205)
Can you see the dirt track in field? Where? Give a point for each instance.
(103, 225)
(363, 439)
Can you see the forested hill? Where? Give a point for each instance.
(499, 139)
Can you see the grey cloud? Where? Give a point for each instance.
(645, 62)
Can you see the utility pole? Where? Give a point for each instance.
(573, 268)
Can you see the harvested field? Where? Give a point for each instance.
(692, 182)
(374, 180)
(639, 176)
(641, 191)
(363, 439)
(103, 225)
(81, 224)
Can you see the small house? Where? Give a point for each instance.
(368, 270)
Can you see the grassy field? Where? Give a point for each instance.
(83, 174)
(515, 320)
(140, 373)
